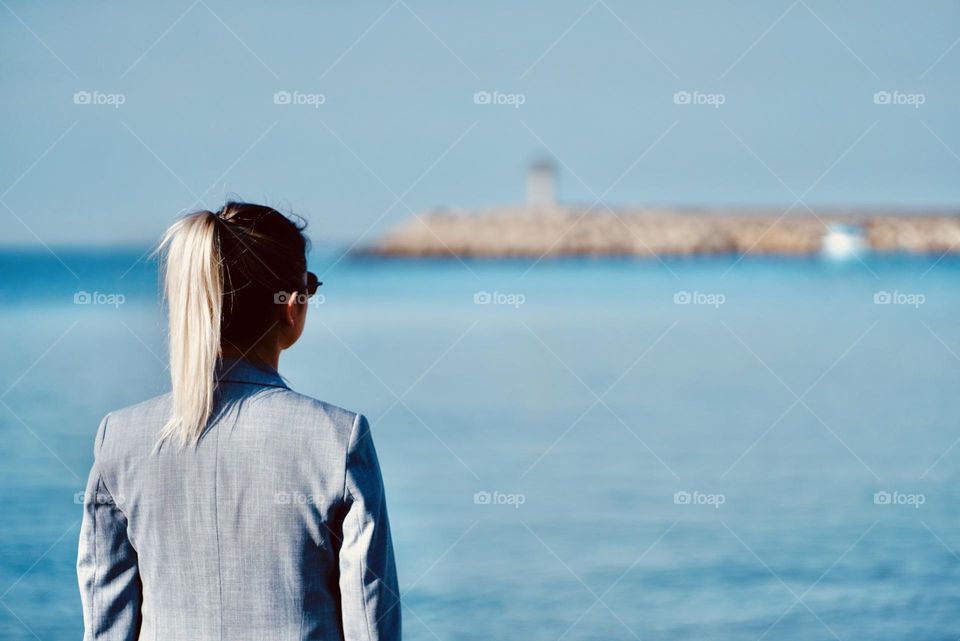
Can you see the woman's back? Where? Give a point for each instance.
(266, 529)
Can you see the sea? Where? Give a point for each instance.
(711, 448)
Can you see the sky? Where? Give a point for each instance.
(120, 116)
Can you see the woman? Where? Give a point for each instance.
(234, 508)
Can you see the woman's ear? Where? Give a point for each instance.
(291, 311)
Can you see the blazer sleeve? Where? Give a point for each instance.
(110, 588)
(370, 598)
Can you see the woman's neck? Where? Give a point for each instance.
(269, 354)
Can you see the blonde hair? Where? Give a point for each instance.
(193, 286)
(224, 274)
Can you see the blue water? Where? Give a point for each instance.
(782, 538)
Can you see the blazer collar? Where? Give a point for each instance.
(237, 370)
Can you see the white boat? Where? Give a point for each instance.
(843, 242)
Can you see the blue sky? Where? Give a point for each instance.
(398, 128)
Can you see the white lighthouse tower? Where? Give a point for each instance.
(541, 184)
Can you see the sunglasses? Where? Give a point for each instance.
(312, 284)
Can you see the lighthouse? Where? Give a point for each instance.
(541, 184)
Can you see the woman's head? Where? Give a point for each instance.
(236, 283)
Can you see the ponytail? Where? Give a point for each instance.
(193, 285)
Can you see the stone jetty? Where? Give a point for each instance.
(536, 231)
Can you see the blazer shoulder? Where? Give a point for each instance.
(154, 410)
(130, 426)
(316, 413)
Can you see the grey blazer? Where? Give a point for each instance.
(274, 527)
